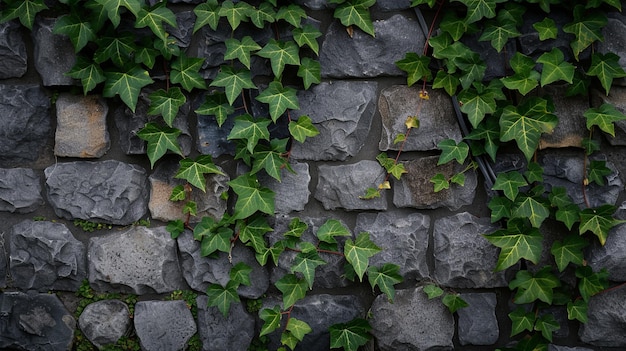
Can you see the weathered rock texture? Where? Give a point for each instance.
(81, 126)
(20, 190)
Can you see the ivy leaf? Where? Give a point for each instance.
(547, 29)
(302, 128)
(597, 170)
(473, 67)
(175, 228)
(531, 287)
(522, 82)
(271, 320)
(206, 13)
(193, 171)
(25, 10)
(449, 82)
(569, 215)
(252, 232)
(433, 291)
(251, 197)
(509, 183)
(598, 221)
(160, 139)
(298, 329)
(579, 86)
(570, 250)
(155, 20)
(310, 72)
(604, 117)
(500, 208)
(521, 320)
(222, 297)
(185, 71)
(385, 278)
(489, 132)
(591, 282)
(191, 208)
(370, 193)
(416, 67)
(78, 30)
(280, 53)
(112, 7)
(430, 3)
(350, 336)
(558, 197)
(586, 27)
(528, 207)
(454, 25)
(330, 229)
(606, 67)
(546, 324)
(166, 103)
(478, 9)
(296, 228)
(234, 81)
(305, 263)
(89, 73)
(240, 273)
(216, 104)
(307, 35)
(577, 310)
(178, 193)
(516, 243)
(240, 50)
(119, 50)
(499, 34)
(235, 13)
(279, 99)
(271, 161)
(247, 128)
(555, 68)
(264, 13)
(354, 13)
(357, 253)
(293, 14)
(450, 150)
(293, 289)
(453, 302)
(440, 182)
(127, 85)
(478, 101)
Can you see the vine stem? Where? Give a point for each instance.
(585, 179)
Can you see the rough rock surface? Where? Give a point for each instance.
(403, 238)
(617, 98)
(20, 190)
(163, 325)
(104, 322)
(25, 121)
(571, 129)
(606, 316)
(32, 321)
(435, 115)
(342, 112)
(54, 53)
(412, 322)
(13, 58)
(46, 256)
(614, 34)
(478, 324)
(81, 126)
(140, 261)
(233, 332)
(104, 191)
(612, 255)
(292, 192)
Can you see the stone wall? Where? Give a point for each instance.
(68, 157)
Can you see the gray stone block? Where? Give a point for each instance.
(163, 325)
(435, 115)
(20, 190)
(24, 123)
(104, 191)
(340, 186)
(403, 238)
(81, 126)
(35, 322)
(140, 261)
(614, 34)
(46, 256)
(54, 53)
(217, 333)
(572, 128)
(616, 98)
(292, 192)
(362, 55)
(463, 258)
(478, 324)
(105, 322)
(342, 112)
(553, 347)
(606, 315)
(611, 256)
(13, 57)
(392, 5)
(411, 322)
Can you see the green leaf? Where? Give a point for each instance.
(310, 72)
(240, 273)
(246, 128)
(307, 35)
(528, 207)
(598, 221)
(440, 182)
(119, 50)
(454, 25)
(430, 3)
(478, 102)
(604, 117)
(191, 208)
(577, 310)
(569, 251)
(531, 287)
(385, 278)
(449, 82)
(370, 193)
(280, 53)
(591, 282)
(546, 324)
(558, 197)
(350, 336)
(252, 232)
(555, 68)
(89, 73)
(509, 183)
(127, 85)
(479, 9)
(352, 13)
(499, 33)
(330, 229)
(193, 171)
(606, 67)
(587, 28)
(25, 10)
(521, 82)
(293, 289)
(234, 81)
(251, 196)
(178, 193)
(357, 253)
(305, 263)
(216, 104)
(302, 128)
(185, 71)
(547, 29)
(77, 29)
(450, 150)
(271, 320)
(516, 243)
(279, 99)
(222, 297)
(206, 13)
(512, 12)
(235, 13)
(489, 132)
(264, 13)
(166, 103)
(500, 208)
(521, 320)
(473, 68)
(534, 172)
(112, 7)
(433, 291)
(416, 67)
(579, 86)
(297, 329)
(160, 139)
(569, 215)
(522, 64)
(453, 302)
(293, 14)
(216, 239)
(271, 161)
(597, 170)
(155, 19)
(175, 228)
(240, 50)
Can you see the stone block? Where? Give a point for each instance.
(163, 325)
(54, 53)
(218, 332)
(81, 126)
(292, 192)
(614, 33)
(20, 190)
(606, 314)
(13, 57)
(572, 127)
(342, 112)
(616, 98)
(611, 256)
(105, 322)
(478, 324)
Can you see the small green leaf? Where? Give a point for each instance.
(222, 297)
(280, 53)
(307, 35)
(240, 50)
(499, 33)
(297, 328)
(416, 67)
(271, 320)
(534, 172)
(547, 29)
(77, 29)
(521, 320)
(509, 183)
(251, 196)
(185, 71)
(216, 239)
(112, 8)
(279, 99)
(569, 215)
(160, 139)
(206, 13)
(546, 324)
(500, 208)
(450, 150)
(453, 302)
(528, 207)
(555, 68)
(240, 273)
(489, 133)
(292, 13)
(166, 103)
(577, 310)
(350, 336)
(216, 104)
(178, 193)
(606, 67)
(385, 278)
(598, 221)
(357, 253)
(516, 243)
(191, 208)
(305, 263)
(25, 10)
(234, 81)
(252, 232)
(155, 19)
(479, 9)
(569, 251)
(370, 193)
(440, 182)
(597, 170)
(310, 72)
(235, 13)
(193, 171)
(604, 117)
(591, 282)
(354, 13)
(302, 128)
(269, 160)
(531, 287)
(433, 291)
(454, 25)
(330, 229)
(263, 13)
(127, 85)
(89, 73)
(246, 128)
(119, 50)
(293, 289)
(175, 228)
(449, 82)
(586, 27)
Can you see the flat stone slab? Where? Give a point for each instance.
(233, 332)
(139, 261)
(105, 322)
(614, 34)
(572, 127)
(81, 126)
(342, 112)
(292, 192)
(163, 325)
(478, 324)
(611, 256)
(606, 315)
(20, 190)
(13, 57)
(435, 115)
(103, 191)
(54, 53)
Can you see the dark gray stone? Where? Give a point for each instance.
(46, 256)
(478, 324)
(24, 123)
(392, 5)
(411, 322)
(403, 238)
(342, 112)
(105, 191)
(572, 128)
(220, 333)
(362, 55)
(313, 4)
(560, 315)
(614, 34)
(35, 322)
(212, 138)
(209, 203)
(436, 118)
(611, 256)
(13, 57)
(529, 42)
(163, 325)
(474, 268)
(200, 272)
(4, 261)
(54, 53)
(140, 261)
(292, 192)
(553, 347)
(414, 189)
(185, 21)
(606, 319)
(104, 322)
(340, 186)
(20, 190)
(616, 98)
(488, 54)
(81, 126)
